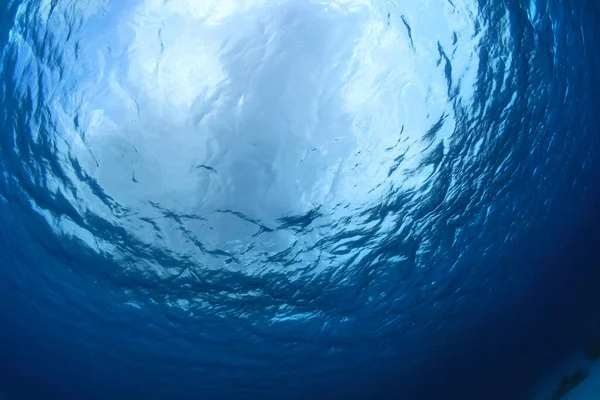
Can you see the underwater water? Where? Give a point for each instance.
(226, 199)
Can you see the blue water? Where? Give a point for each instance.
(338, 199)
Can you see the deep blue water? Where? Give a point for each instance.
(336, 199)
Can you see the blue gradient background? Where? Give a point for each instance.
(296, 199)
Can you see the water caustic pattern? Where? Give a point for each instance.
(207, 192)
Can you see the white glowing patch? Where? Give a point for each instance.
(233, 114)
